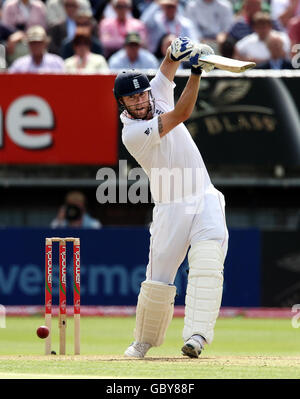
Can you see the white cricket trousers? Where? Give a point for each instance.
(176, 226)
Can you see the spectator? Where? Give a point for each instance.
(84, 18)
(109, 11)
(277, 7)
(56, 12)
(16, 46)
(164, 44)
(294, 34)
(278, 58)
(65, 29)
(112, 31)
(243, 24)
(253, 47)
(132, 56)
(167, 20)
(285, 10)
(153, 7)
(74, 214)
(84, 61)
(38, 60)
(210, 17)
(21, 14)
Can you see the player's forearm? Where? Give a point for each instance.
(188, 98)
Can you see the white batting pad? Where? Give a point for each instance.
(154, 312)
(204, 289)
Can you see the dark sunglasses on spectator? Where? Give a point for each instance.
(122, 6)
(81, 41)
(87, 23)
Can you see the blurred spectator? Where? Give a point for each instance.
(211, 18)
(84, 18)
(112, 31)
(253, 47)
(109, 11)
(16, 46)
(277, 7)
(294, 34)
(164, 42)
(84, 61)
(167, 20)
(56, 11)
(65, 29)
(153, 7)
(38, 60)
(243, 23)
(74, 214)
(21, 14)
(278, 59)
(285, 10)
(132, 56)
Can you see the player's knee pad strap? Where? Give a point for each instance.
(204, 289)
(154, 312)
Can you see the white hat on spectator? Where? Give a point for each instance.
(36, 34)
(168, 2)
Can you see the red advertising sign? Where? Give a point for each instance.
(58, 119)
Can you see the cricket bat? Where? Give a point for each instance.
(227, 64)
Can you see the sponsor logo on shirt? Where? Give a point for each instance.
(148, 131)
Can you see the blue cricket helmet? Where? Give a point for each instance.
(130, 82)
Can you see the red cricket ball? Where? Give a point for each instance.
(42, 332)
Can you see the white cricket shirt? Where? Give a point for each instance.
(173, 162)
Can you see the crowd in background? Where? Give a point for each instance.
(98, 36)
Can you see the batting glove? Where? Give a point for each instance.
(181, 48)
(196, 64)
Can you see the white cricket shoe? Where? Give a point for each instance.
(192, 348)
(137, 349)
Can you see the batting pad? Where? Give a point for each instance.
(154, 312)
(204, 289)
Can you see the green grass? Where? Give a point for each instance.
(242, 348)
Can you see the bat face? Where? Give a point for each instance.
(227, 64)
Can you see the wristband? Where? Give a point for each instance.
(196, 70)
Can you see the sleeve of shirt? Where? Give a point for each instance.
(7, 15)
(141, 136)
(163, 88)
(240, 46)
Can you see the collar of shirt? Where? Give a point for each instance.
(21, 4)
(71, 28)
(33, 65)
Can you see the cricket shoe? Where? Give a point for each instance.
(192, 348)
(137, 349)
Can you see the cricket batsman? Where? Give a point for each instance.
(189, 212)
